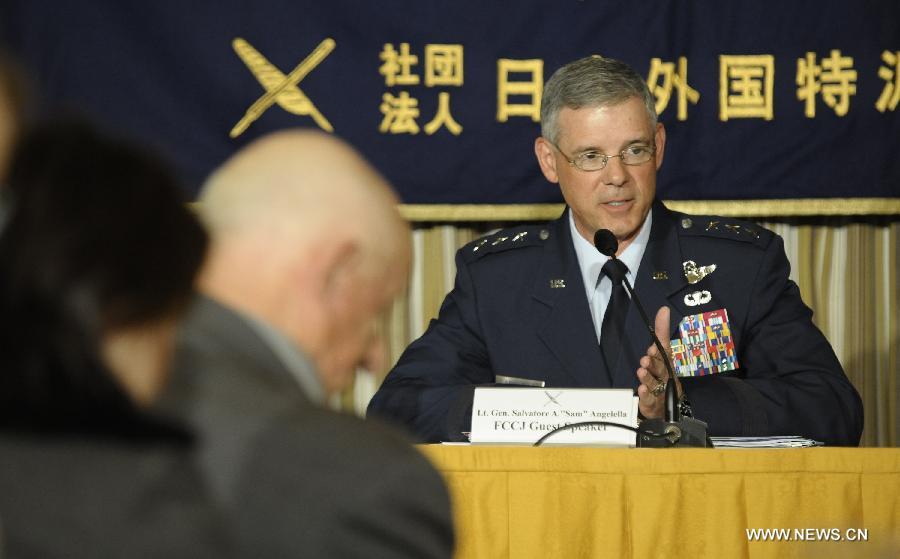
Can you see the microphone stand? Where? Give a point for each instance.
(673, 430)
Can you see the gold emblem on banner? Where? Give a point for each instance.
(280, 88)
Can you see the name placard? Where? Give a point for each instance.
(524, 415)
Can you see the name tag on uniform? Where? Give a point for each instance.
(704, 345)
(524, 415)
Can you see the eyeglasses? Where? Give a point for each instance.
(594, 160)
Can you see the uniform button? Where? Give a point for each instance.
(544, 234)
(686, 223)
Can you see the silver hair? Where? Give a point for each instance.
(592, 81)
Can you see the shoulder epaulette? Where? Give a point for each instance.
(506, 239)
(723, 228)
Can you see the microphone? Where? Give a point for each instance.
(677, 431)
(605, 242)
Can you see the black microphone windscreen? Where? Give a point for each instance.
(606, 242)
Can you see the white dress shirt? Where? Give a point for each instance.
(598, 287)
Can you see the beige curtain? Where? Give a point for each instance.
(847, 270)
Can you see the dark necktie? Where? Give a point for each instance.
(614, 319)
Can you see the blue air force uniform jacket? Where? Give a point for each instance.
(518, 308)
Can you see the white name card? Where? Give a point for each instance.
(524, 415)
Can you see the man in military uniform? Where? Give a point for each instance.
(541, 303)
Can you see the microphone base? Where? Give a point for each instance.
(684, 433)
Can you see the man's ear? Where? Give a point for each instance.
(546, 159)
(340, 264)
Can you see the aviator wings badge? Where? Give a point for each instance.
(695, 273)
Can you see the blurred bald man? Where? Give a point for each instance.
(307, 249)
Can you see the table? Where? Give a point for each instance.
(522, 502)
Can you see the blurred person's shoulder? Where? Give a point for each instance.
(364, 489)
(335, 437)
(221, 360)
(102, 497)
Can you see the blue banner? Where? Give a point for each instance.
(761, 100)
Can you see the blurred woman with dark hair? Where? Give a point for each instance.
(13, 102)
(98, 254)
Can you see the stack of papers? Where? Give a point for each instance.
(783, 441)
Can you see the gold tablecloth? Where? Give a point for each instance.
(523, 502)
